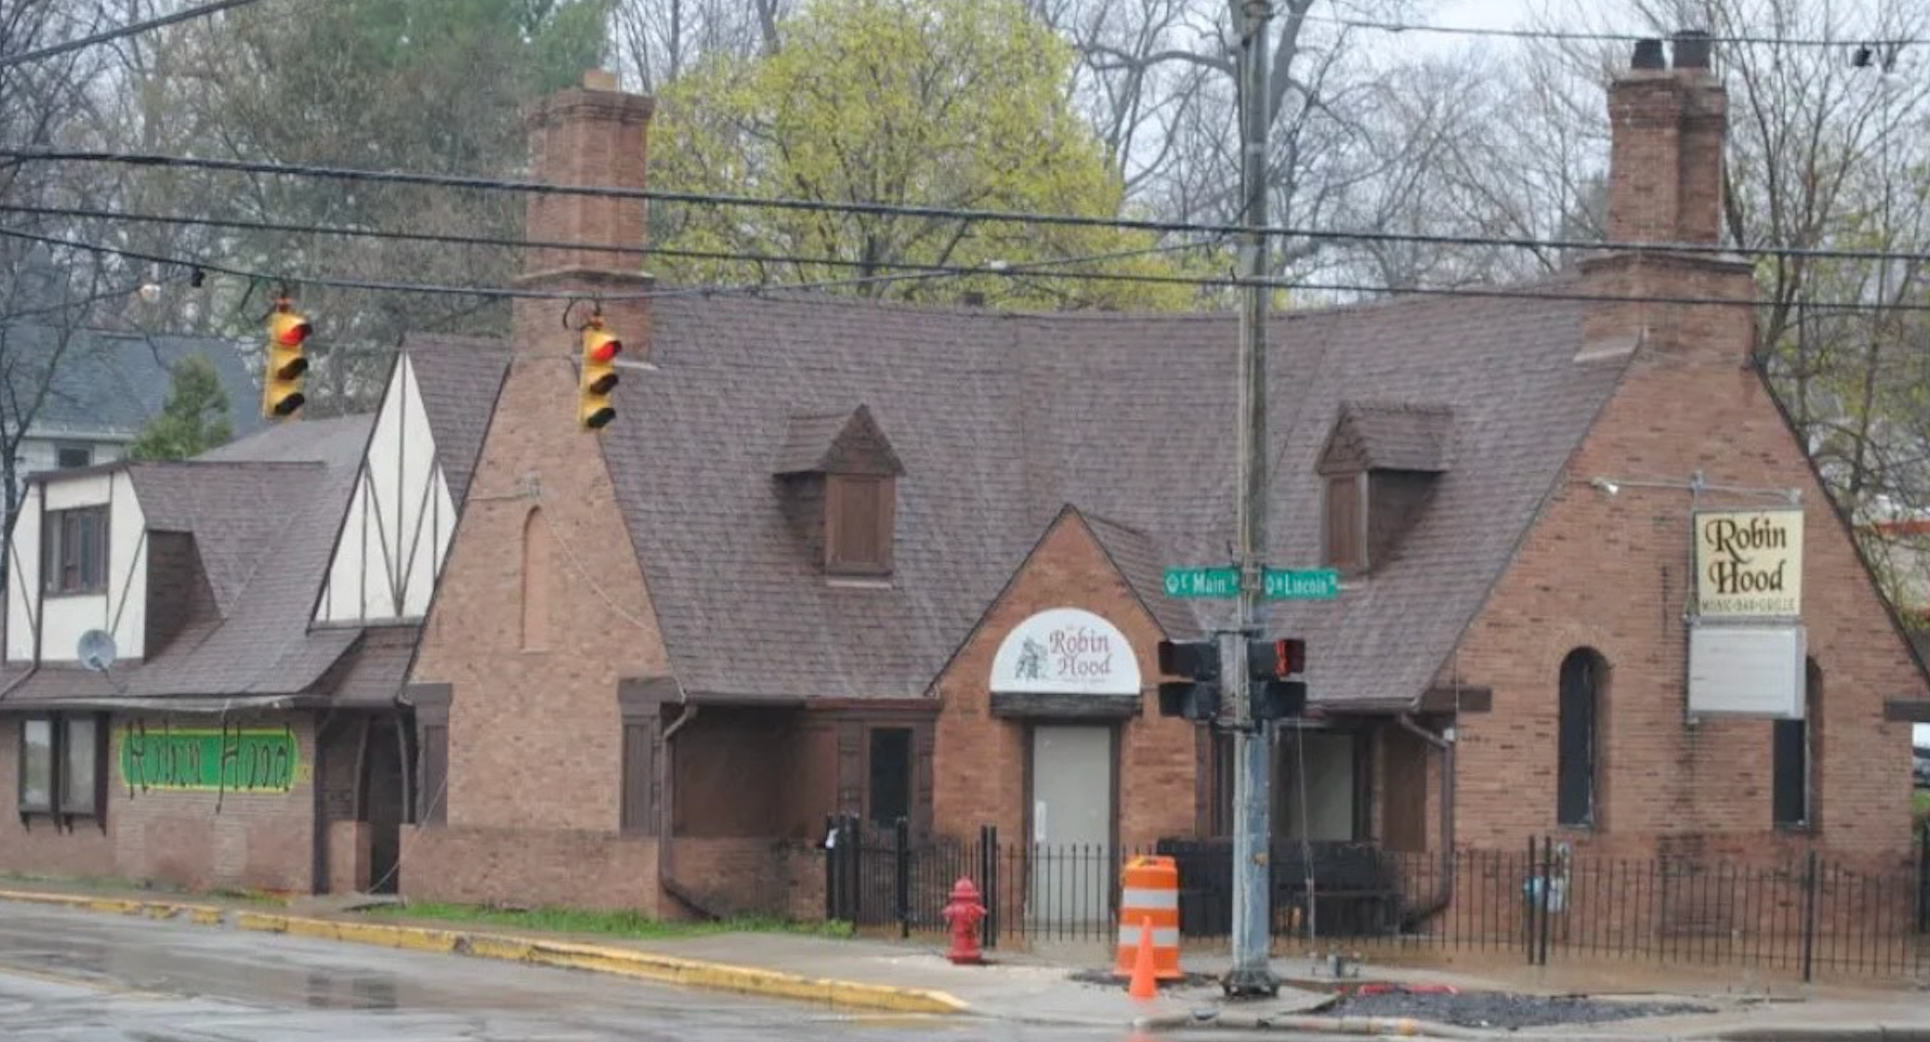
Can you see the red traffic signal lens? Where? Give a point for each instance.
(291, 329)
(1289, 657)
(606, 350)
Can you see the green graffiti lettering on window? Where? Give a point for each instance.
(208, 761)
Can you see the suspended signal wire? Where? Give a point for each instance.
(945, 213)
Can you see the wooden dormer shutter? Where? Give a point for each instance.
(1344, 527)
(860, 511)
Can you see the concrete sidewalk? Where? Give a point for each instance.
(1066, 984)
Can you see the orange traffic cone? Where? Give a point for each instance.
(1143, 986)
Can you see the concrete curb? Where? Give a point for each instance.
(625, 962)
(1816, 1033)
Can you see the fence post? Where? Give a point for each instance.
(831, 908)
(1547, 896)
(901, 853)
(1809, 915)
(988, 839)
(1528, 902)
(1923, 877)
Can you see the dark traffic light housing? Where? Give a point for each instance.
(1198, 696)
(1275, 666)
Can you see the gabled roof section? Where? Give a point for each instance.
(836, 443)
(1388, 436)
(263, 512)
(1000, 419)
(1143, 565)
(458, 378)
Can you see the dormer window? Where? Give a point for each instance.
(75, 548)
(839, 486)
(859, 511)
(1380, 465)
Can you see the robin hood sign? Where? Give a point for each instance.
(1066, 651)
(1749, 563)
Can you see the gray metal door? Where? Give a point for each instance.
(1072, 863)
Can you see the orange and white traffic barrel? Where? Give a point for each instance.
(1149, 896)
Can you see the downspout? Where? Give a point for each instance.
(666, 819)
(1444, 892)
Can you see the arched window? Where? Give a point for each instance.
(1583, 674)
(536, 581)
(1793, 756)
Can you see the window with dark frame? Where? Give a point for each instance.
(1792, 763)
(73, 457)
(1581, 687)
(1343, 522)
(888, 789)
(37, 765)
(859, 514)
(63, 766)
(639, 767)
(74, 551)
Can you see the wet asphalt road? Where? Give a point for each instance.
(83, 977)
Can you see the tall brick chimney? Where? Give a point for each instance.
(593, 135)
(1666, 153)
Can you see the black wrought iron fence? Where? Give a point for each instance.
(1546, 902)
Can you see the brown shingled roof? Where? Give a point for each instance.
(1389, 436)
(1000, 419)
(458, 378)
(263, 512)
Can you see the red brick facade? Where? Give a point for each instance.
(982, 760)
(192, 839)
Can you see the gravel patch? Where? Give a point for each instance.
(1493, 1009)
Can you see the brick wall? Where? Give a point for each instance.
(980, 767)
(535, 733)
(577, 868)
(348, 857)
(1614, 574)
(191, 839)
(746, 876)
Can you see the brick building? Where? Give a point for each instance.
(841, 557)
(837, 556)
(262, 604)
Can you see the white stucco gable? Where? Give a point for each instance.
(400, 519)
(45, 621)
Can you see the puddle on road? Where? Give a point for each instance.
(351, 993)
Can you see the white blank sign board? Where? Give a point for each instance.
(1747, 671)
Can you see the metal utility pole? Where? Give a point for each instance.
(1252, 937)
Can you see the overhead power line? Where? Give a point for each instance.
(119, 32)
(1590, 36)
(907, 271)
(938, 212)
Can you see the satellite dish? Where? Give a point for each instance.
(96, 650)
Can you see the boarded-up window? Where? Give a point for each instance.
(639, 775)
(1344, 526)
(860, 511)
(433, 789)
(1582, 674)
(74, 551)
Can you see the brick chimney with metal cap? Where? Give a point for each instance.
(592, 136)
(1668, 123)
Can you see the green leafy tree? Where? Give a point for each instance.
(195, 418)
(957, 104)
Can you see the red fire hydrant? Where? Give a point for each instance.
(963, 915)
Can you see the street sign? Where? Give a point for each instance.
(1316, 584)
(1202, 582)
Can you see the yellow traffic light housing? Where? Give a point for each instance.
(281, 380)
(599, 376)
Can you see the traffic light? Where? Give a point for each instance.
(1198, 697)
(599, 377)
(281, 380)
(1273, 665)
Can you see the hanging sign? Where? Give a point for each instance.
(1066, 651)
(1749, 563)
